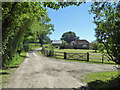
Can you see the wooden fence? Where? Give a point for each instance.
(47, 52)
(74, 56)
(99, 57)
(65, 55)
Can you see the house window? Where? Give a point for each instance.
(84, 45)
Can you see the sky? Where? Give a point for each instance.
(75, 19)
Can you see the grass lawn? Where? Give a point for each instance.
(93, 57)
(34, 46)
(107, 79)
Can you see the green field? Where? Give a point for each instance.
(108, 79)
(93, 57)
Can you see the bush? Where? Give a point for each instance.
(56, 46)
(26, 47)
(101, 48)
(94, 46)
(62, 46)
(46, 45)
(51, 47)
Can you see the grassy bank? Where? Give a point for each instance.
(14, 64)
(93, 56)
(103, 80)
(17, 60)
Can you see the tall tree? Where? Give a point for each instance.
(19, 17)
(69, 36)
(107, 19)
(17, 20)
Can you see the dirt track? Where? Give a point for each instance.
(41, 72)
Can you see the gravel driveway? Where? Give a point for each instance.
(41, 72)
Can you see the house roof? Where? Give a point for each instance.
(80, 42)
(56, 41)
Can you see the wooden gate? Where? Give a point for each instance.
(78, 56)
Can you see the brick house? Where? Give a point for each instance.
(78, 44)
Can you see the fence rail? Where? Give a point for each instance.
(75, 56)
(57, 55)
(58, 52)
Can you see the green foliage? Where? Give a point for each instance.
(57, 46)
(9, 68)
(21, 22)
(50, 47)
(47, 40)
(106, 80)
(63, 44)
(44, 39)
(46, 45)
(101, 48)
(107, 19)
(16, 60)
(57, 5)
(94, 46)
(69, 36)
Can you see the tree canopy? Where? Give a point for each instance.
(20, 20)
(107, 20)
(23, 22)
(94, 46)
(69, 36)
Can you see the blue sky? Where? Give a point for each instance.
(73, 18)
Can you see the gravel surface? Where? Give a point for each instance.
(41, 72)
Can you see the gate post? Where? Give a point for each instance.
(47, 53)
(64, 55)
(87, 56)
(102, 58)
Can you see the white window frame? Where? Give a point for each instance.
(84, 45)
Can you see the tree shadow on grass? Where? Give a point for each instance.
(3, 73)
(101, 62)
(14, 66)
(58, 57)
(112, 84)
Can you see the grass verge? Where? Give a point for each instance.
(103, 80)
(6, 72)
(17, 60)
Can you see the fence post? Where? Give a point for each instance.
(102, 58)
(64, 55)
(87, 56)
(47, 53)
(50, 53)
